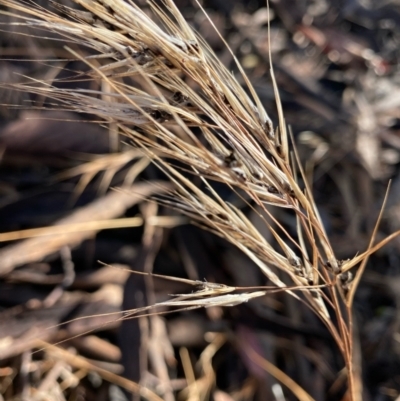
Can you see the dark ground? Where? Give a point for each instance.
(337, 67)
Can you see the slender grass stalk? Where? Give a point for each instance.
(175, 101)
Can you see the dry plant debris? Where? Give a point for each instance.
(178, 133)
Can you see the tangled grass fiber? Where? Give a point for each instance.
(161, 87)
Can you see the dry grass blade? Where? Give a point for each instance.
(110, 164)
(82, 363)
(180, 107)
(281, 376)
(111, 205)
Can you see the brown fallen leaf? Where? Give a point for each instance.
(53, 133)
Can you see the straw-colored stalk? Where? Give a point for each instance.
(170, 95)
